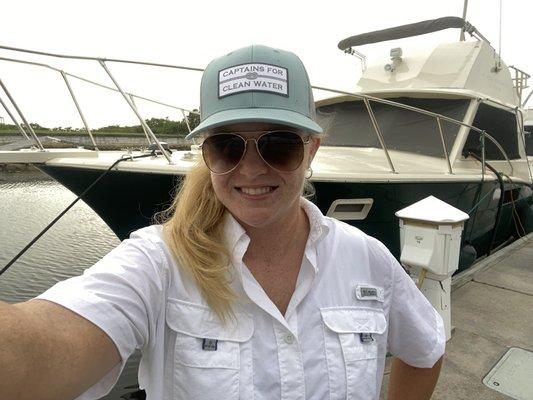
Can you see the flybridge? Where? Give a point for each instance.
(473, 67)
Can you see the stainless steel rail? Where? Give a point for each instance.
(439, 125)
(519, 81)
(146, 134)
(141, 119)
(378, 133)
(79, 109)
(19, 112)
(42, 53)
(14, 120)
(96, 83)
(128, 97)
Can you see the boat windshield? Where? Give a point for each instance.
(348, 124)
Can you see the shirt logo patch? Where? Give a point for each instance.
(365, 292)
(366, 337)
(254, 77)
(209, 344)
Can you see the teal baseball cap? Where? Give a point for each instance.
(256, 84)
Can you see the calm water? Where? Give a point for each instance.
(27, 204)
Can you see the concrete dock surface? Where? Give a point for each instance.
(491, 310)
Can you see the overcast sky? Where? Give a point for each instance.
(192, 33)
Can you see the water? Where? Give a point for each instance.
(28, 202)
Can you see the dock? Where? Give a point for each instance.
(492, 311)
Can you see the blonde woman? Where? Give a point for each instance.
(245, 291)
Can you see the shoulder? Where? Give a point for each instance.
(147, 249)
(151, 233)
(143, 254)
(148, 241)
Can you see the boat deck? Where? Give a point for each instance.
(492, 311)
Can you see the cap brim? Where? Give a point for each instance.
(267, 115)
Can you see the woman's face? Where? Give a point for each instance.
(256, 194)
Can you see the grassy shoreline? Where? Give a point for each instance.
(82, 133)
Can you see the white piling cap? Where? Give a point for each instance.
(433, 210)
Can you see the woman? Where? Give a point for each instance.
(246, 291)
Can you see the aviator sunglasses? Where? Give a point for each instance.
(281, 150)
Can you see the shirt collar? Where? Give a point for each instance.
(318, 227)
(237, 240)
(233, 231)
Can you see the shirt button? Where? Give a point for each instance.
(288, 338)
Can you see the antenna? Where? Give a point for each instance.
(498, 65)
(500, 38)
(465, 6)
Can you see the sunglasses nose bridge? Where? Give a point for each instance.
(252, 162)
(247, 149)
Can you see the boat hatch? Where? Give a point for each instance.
(350, 209)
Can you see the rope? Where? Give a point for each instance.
(14, 259)
(516, 217)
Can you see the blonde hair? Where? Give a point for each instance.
(193, 230)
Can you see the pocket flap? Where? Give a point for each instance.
(354, 320)
(201, 322)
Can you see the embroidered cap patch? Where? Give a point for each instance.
(254, 77)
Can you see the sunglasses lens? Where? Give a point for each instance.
(283, 151)
(222, 152)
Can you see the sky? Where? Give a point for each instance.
(194, 32)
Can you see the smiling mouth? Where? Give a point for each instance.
(257, 191)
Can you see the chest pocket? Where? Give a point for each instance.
(206, 361)
(356, 336)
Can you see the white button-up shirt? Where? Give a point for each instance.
(352, 303)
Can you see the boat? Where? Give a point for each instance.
(468, 149)
(446, 122)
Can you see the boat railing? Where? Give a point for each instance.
(438, 120)
(128, 97)
(519, 81)
(152, 139)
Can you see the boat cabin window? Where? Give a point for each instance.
(348, 124)
(529, 139)
(501, 125)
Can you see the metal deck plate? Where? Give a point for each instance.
(513, 374)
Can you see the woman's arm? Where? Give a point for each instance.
(411, 383)
(49, 352)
